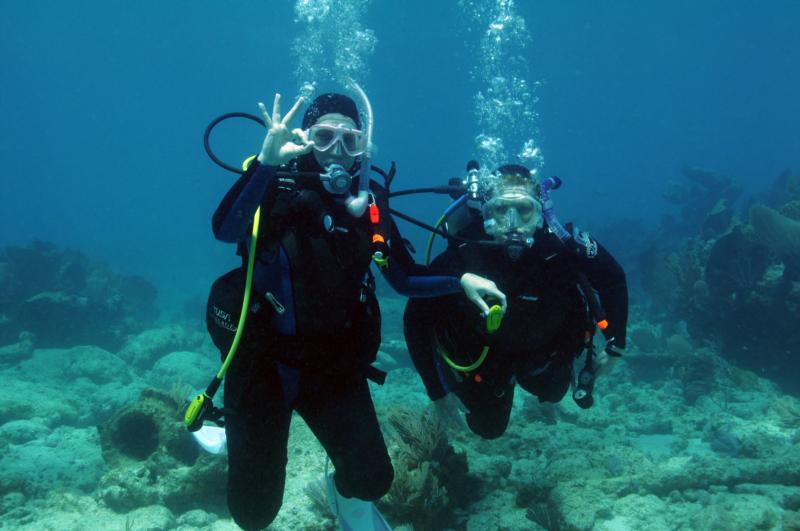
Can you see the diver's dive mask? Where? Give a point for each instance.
(324, 136)
(513, 216)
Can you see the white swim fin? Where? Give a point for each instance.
(211, 439)
(354, 514)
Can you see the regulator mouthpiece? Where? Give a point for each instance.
(336, 180)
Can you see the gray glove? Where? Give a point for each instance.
(477, 289)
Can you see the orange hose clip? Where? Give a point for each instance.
(602, 325)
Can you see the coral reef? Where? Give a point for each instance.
(16, 352)
(698, 444)
(697, 374)
(791, 210)
(657, 279)
(64, 299)
(679, 436)
(737, 262)
(144, 349)
(645, 339)
(147, 428)
(675, 279)
(317, 492)
(785, 189)
(152, 459)
(705, 198)
(751, 301)
(535, 411)
(781, 234)
(431, 478)
(788, 411)
(736, 286)
(678, 346)
(35, 458)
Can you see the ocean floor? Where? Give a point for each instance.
(677, 439)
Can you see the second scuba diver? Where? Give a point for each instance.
(505, 230)
(313, 322)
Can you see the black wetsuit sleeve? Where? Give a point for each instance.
(608, 278)
(406, 276)
(235, 213)
(400, 252)
(418, 323)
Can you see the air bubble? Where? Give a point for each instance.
(338, 49)
(505, 106)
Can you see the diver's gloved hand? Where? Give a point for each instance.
(477, 288)
(279, 145)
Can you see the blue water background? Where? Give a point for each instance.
(104, 104)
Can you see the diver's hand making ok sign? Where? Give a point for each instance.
(279, 145)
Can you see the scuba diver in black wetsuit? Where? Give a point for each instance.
(313, 322)
(551, 275)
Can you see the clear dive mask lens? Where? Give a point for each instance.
(325, 136)
(512, 216)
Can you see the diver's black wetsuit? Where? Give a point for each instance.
(312, 331)
(540, 335)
